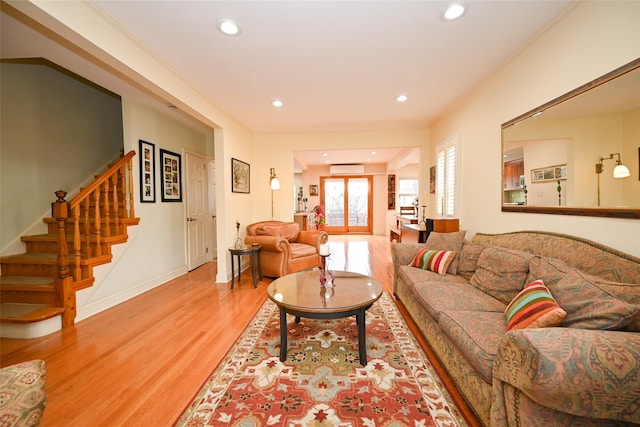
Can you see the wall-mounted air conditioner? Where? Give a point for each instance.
(346, 169)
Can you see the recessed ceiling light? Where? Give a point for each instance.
(277, 103)
(454, 11)
(325, 154)
(402, 98)
(228, 27)
(373, 153)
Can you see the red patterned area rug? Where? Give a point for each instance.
(322, 382)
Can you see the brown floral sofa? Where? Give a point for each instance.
(285, 248)
(583, 372)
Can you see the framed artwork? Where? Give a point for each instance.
(391, 192)
(550, 173)
(147, 154)
(432, 179)
(171, 176)
(391, 184)
(313, 190)
(240, 176)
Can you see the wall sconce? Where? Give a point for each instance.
(274, 183)
(620, 171)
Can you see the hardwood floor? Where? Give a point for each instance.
(141, 363)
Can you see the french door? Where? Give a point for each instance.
(348, 202)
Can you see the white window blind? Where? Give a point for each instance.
(446, 178)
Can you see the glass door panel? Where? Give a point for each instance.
(358, 208)
(334, 201)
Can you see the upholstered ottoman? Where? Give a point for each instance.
(22, 394)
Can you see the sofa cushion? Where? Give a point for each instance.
(534, 307)
(468, 257)
(447, 242)
(591, 305)
(299, 250)
(22, 393)
(477, 335)
(287, 230)
(436, 261)
(549, 270)
(411, 275)
(436, 297)
(501, 272)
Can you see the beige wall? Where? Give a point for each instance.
(57, 132)
(593, 39)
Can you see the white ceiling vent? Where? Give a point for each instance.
(346, 169)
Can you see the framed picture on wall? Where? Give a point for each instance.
(147, 154)
(240, 176)
(171, 176)
(313, 190)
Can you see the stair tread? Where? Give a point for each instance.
(26, 313)
(53, 237)
(27, 280)
(31, 256)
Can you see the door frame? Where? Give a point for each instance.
(346, 229)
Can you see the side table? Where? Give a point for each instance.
(254, 251)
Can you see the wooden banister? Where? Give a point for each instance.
(91, 204)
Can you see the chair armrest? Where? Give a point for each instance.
(269, 243)
(313, 238)
(590, 373)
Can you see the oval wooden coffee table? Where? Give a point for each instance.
(301, 295)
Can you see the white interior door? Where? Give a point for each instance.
(213, 208)
(197, 211)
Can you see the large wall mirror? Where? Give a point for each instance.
(560, 158)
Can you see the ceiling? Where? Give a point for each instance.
(337, 65)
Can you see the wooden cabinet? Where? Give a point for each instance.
(512, 172)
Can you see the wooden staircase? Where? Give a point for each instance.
(40, 284)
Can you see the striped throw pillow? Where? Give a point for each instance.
(534, 307)
(436, 261)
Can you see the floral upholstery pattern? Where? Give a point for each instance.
(585, 255)
(530, 377)
(22, 394)
(589, 306)
(501, 272)
(581, 372)
(475, 335)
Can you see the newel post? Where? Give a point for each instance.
(60, 210)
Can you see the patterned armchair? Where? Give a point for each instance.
(285, 248)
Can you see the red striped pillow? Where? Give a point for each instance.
(436, 261)
(534, 307)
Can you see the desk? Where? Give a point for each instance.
(254, 251)
(419, 233)
(396, 232)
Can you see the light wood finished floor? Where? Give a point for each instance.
(141, 362)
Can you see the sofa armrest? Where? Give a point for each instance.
(588, 373)
(402, 254)
(313, 238)
(269, 243)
